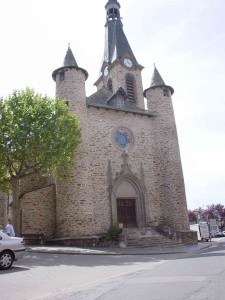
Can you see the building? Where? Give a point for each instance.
(128, 167)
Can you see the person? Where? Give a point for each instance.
(9, 228)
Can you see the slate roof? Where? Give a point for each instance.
(112, 1)
(116, 43)
(100, 97)
(156, 79)
(103, 98)
(69, 60)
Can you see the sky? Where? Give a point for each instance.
(184, 38)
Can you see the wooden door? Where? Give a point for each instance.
(126, 212)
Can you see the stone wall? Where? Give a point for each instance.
(189, 237)
(117, 73)
(103, 148)
(74, 207)
(168, 159)
(38, 212)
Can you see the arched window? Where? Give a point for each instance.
(109, 85)
(130, 87)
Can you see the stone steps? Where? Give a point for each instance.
(148, 243)
(148, 237)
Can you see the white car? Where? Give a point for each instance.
(11, 248)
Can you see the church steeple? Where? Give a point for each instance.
(119, 68)
(116, 43)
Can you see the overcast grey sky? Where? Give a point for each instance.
(186, 40)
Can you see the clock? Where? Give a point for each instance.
(127, 62)
(106, 71)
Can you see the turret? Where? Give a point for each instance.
(157, 90)
(72, 194)
(167, 153)
(70, 82)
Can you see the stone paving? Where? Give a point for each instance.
(118, 251)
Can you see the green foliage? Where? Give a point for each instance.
(192, 217)
(113, 233)
(37, 134)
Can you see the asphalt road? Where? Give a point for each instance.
(65, 277)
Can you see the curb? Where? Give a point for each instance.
(94, 252)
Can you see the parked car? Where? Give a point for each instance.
(11, 248)
(219, 234)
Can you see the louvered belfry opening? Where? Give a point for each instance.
(109, 85)
(130, 87)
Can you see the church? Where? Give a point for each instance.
(128, 168)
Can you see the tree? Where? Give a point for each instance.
(192, 217)
(216, 211)
(37, 135)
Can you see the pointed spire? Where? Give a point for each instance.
(69, 60)
(116, 43)
(156, 78)
(157, 81)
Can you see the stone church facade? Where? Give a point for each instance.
(128, 167)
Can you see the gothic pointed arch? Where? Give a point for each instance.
(127, 186)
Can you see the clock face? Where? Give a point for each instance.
(106, 71)
(128, 63)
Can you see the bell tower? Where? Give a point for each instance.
(120, 68)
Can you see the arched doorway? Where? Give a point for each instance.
(128, 204)
(126, 212)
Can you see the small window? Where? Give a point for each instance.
(120, 103)
(62, 76)
(109, 85)
(166, 93)
(130, 87)
(67, 103)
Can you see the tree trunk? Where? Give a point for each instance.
(16, 207)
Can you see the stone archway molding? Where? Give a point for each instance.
(126, 176)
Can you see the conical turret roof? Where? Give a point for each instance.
(157, 81)
(69, 60)
(156, 78)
